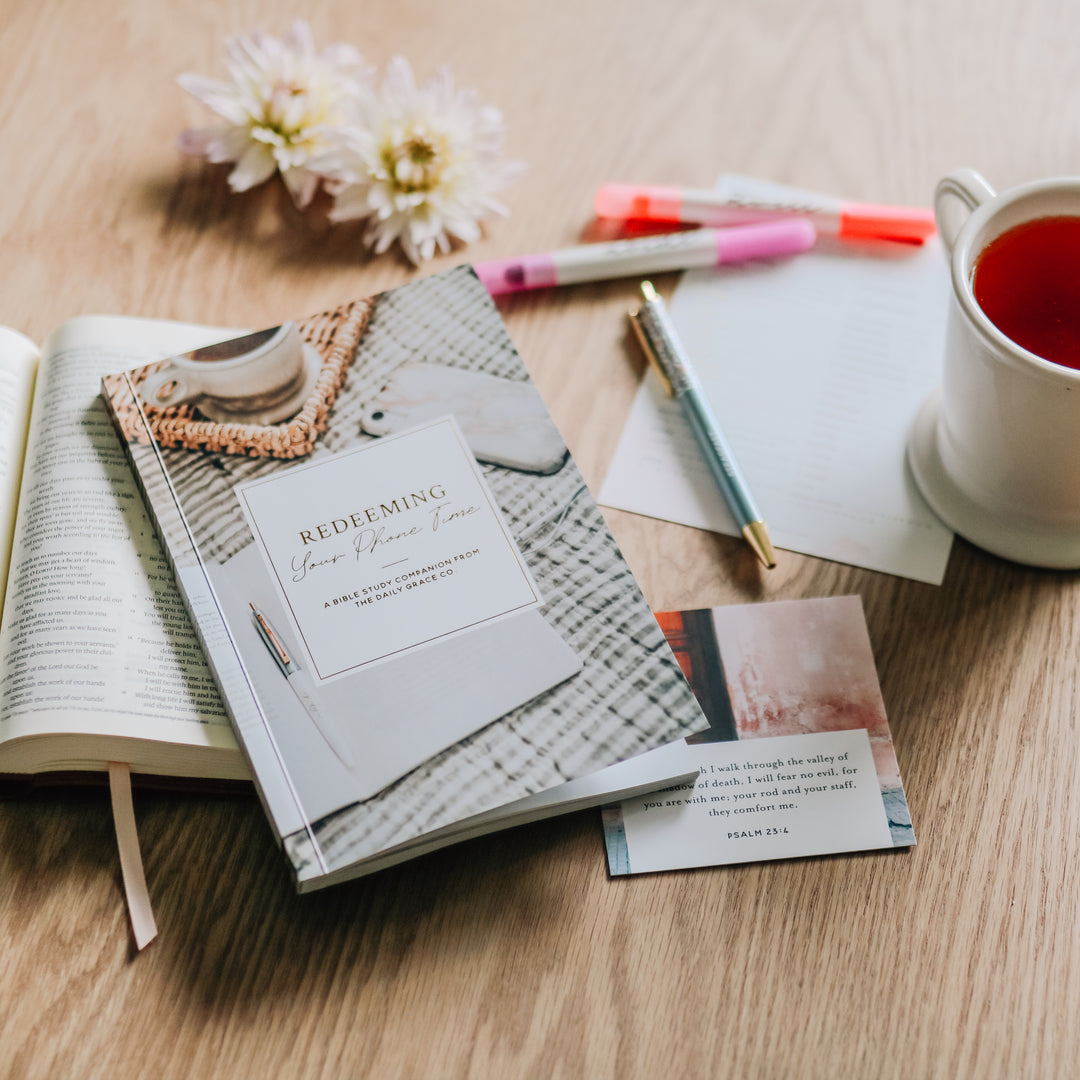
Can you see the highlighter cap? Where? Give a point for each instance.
(764, 240)
(867, 221)
(641, 202)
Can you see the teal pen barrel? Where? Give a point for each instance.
(665, 353)
(718, 456)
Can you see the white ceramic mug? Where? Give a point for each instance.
(996, 450)
(258, 378)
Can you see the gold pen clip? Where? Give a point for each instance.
(650, 354)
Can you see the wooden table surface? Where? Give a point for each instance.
(516, 955)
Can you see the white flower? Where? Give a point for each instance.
(422, 164)
(281, 103)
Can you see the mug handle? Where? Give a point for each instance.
(164, 388)
(971, 189)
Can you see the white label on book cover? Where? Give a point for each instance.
(754, 799)
(386, 548)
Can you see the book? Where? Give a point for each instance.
(798, 759)
(418, 619)
(98, 659)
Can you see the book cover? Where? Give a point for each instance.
(798, 759)
(412, 604)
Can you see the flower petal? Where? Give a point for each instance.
(302, 185)
(218, 95)
(216, 144)
(255, 165)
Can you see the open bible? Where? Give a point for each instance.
(98, 659)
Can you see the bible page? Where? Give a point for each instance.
(96, 640)
(18, 363)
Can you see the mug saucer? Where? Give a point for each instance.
(1020, 540)
(282, 410)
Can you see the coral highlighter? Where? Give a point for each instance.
(830, 216)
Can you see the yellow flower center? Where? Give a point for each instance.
(291, 110)
(416, 164)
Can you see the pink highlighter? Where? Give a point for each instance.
(647, 255)
(831, 217)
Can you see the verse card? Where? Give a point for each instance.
(387, 548)
(798, 759)
(762, 799)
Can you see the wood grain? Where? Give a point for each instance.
(515, 955)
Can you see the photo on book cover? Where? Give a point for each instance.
(412, 603)
(798, 758)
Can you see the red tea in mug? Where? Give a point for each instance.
(1027, 282)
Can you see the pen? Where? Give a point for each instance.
(665, 354)
(831, 217)
(646, 255)
(300, 683)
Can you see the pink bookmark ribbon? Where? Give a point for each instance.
(131, 868)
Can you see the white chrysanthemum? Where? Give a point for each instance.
(279, 107)
(422, 164)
